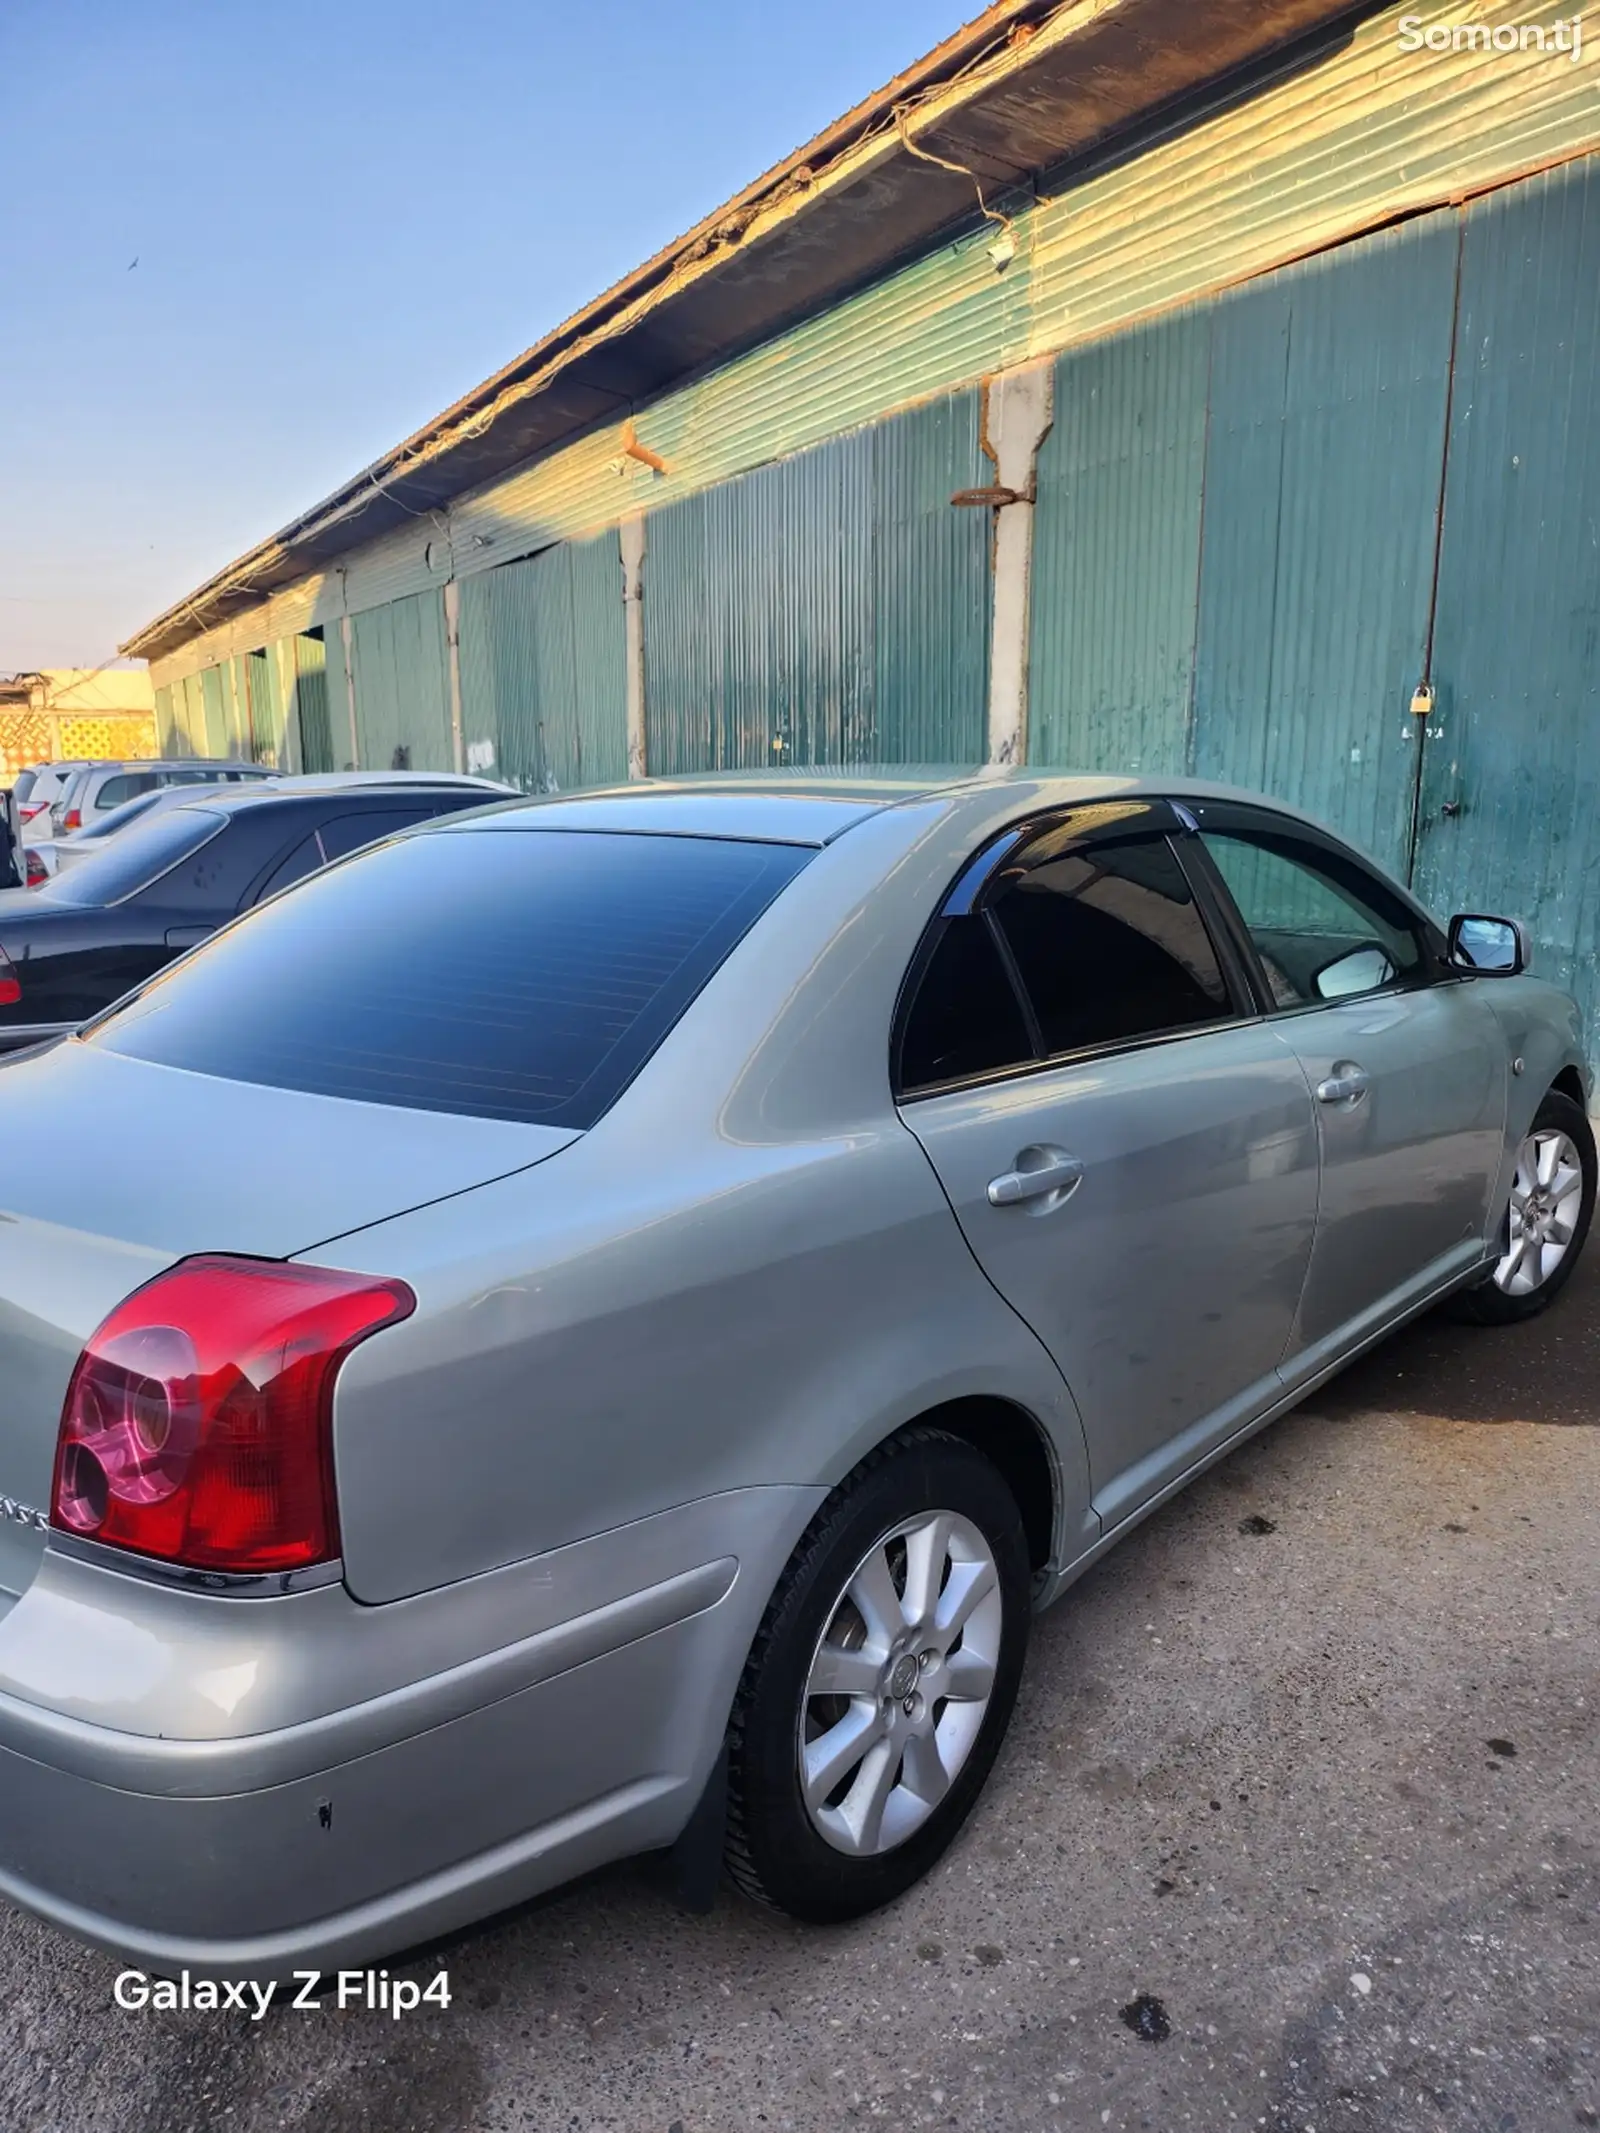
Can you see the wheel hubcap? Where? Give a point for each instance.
(1546, 1199)
(900, 1682)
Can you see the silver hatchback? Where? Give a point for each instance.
(663, 1284)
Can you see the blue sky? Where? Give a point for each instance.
(345, 213)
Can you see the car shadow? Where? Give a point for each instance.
(1547, 1370)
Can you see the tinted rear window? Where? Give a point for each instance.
(25, 782)
(139, 856)
(516, 974)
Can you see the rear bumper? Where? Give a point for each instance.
(327, 1843)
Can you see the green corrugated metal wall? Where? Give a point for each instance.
(543, 667)
(1514, 743)
(166, 725)
(400, 662)
(190, 714)
(830, 608)
(1117, 552)
(214, 712)
(931, 596)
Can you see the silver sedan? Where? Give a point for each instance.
(661, 1286)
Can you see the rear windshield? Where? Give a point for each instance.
(132, 861)
(118, 819)
(25, 782)
(519, 974)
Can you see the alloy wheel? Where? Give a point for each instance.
(1546, 1200)
(899, 1683)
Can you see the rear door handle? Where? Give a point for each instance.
(1346, 1084)
(1041, 1173)
(188, 936)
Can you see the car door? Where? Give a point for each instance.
(1406, 1061)
(1129, 1148)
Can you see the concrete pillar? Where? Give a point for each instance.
(452, 640)
(632, 531)
(1017, 412)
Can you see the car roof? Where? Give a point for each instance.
(219, 764)
(814, 807)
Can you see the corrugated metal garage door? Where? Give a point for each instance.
(544, 667)
(1237, 511)
(1511, 783)
(311, 703)
(1328, 392)
(830, 608)
(266, 711)
(400, 662)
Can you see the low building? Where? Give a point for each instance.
(1140, 385)
(64, 712)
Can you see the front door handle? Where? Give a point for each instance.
(1346, 1084)
(188, 936)
(1041, 1174)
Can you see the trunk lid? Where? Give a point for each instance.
(112, 1168)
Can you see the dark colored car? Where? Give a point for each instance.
(10, 871)
(69, 949)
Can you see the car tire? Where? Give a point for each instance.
(1536, 1262)
(845, 1781)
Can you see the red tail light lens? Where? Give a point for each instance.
(72, 819)
(197, 1426)
(10, 983)
(26, 812)
(35, 867)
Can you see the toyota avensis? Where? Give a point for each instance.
(659, 1286)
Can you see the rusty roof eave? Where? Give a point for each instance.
(1026, 87)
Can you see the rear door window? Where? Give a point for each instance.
(1108, 941)
(520, 974)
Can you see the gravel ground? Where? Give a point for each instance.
(1297, 1829)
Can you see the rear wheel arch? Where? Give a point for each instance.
(1013, 1442)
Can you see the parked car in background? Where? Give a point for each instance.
(96, 788)
(10, 841)
(662, 1283)
(43, 784)
(54, 855)
(70, 948)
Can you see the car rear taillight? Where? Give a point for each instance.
(198, 1423)
(36, 870)
(72, 819)
(26, 812)
(10, 983)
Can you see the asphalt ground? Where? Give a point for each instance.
(1297, 1828)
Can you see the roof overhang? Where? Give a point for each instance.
(1027, 87)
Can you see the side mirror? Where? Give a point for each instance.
(1492, 947)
